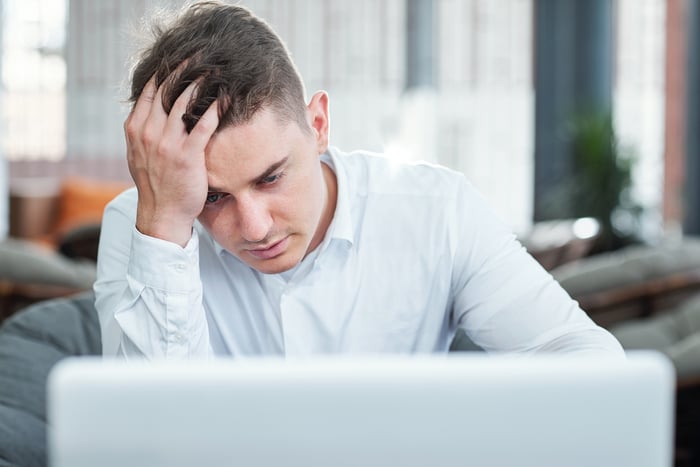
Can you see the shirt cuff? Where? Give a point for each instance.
(163, 265)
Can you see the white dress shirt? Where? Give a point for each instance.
(412, 254)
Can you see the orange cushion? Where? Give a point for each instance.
(82, 201)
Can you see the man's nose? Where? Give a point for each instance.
(254, 219)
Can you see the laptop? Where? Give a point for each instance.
(470, 409)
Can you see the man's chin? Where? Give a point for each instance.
(277, 265)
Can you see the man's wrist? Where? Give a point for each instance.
(172, 230)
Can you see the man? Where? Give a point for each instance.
(247, 235)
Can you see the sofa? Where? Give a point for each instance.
(54, 235)
(32, 341)
(639, 281)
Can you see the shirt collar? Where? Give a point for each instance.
(341, 227)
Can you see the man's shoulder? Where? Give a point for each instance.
(375, 173)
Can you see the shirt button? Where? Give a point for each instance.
(179, 267)
(179, 338)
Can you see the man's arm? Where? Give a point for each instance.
(148, 290)
(504, 299)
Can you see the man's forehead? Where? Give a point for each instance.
(245, 152)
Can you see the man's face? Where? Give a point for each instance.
(270, 198)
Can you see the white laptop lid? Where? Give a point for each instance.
(469, 409)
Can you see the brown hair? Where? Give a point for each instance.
(235, 57)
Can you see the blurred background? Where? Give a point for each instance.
(489, 88)
(577, 120)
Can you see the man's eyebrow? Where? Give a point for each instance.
(269, 171)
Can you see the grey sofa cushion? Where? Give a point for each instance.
(677, 334)
(31, 342)
(630, 265)
(23, 261)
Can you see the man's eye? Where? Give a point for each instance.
(214, 197)
(270, 179)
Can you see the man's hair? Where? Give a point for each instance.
(235, 57)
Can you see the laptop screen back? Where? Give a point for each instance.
(373, 411)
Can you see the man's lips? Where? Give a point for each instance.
(272, 251)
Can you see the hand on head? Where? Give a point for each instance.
(167, 163)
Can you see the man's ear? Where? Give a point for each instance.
(317, 114)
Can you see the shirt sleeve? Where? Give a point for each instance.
(504, 299)
(148, 291)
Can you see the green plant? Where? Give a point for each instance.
(600, 180)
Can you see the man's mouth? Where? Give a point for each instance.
(271, 251)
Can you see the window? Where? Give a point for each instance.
(33, 79)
